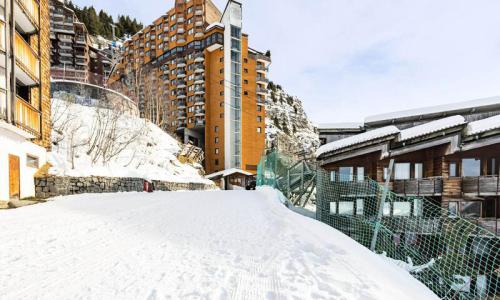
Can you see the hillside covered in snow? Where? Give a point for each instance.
(92, 141)
(288, 128)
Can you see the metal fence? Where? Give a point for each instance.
(452, 256)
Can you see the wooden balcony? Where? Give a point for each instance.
(27, 59)
(27, 15)
(27, 117)
(432, 186)
(481, 186)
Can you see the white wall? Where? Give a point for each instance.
(11, 143)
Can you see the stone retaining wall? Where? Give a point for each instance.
(52, 186)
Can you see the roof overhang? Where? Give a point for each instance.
(382, 148)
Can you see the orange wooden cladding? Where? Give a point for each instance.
(30, 7)
(14, 176)
(27, 57)
(27, 116)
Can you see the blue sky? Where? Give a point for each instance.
(348, 59)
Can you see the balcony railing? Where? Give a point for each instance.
(482, 185)
(27, 57)
(30, 7)
(260, 90)
(419, 187)
(261, 68)
(27, 117)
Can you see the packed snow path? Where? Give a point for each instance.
(186, 245)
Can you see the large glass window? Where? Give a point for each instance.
(402, 171)
(346, 173)
(471, 167)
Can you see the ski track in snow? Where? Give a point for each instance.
(186, 245)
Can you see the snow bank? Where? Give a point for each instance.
(193, 245)
(358, 139)
(146, 151)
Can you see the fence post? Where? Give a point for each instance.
(381, 207)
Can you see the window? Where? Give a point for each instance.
(259, 119)
(216, 162)
(245, 81)
(245, 60)
(453, 208)
(360, 174)
(453, 169)
(259, 129)
(221, 82)
(402, 209)
(402, 171)
(216, 140)
(259, 108)
(346, 208)
(419, 170)
(216, 150)
(360, 207)
(216, 129)
(32, 161)
(471, 167)
(346, 173)
(245, 93)
(222, 115)
(333, 176)
(221, 71)
(492, 170)
(418, 207)
(470, 209)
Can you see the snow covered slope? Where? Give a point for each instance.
(193, 245)
(95, 141)
(288, 127)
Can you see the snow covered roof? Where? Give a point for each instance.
(215, 24)
(358, 139)
(342, 125)
(228, 172)
(446, 108)
(483, 125)
(431, 127)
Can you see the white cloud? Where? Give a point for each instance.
(347, 59)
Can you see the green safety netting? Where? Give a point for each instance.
(454, 257)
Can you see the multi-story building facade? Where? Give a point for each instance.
(450, 154)
(24, 95)
(73, 56)
(193, 73)
(69, 44)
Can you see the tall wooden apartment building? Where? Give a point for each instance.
(24, 94)
(73, 57)
(193, 73)
(448, 153)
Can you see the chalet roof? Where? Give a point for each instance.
(483, 125)
(228, 172)
(430, 127)
(439, 110)
(343, 125)
(358, 139)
